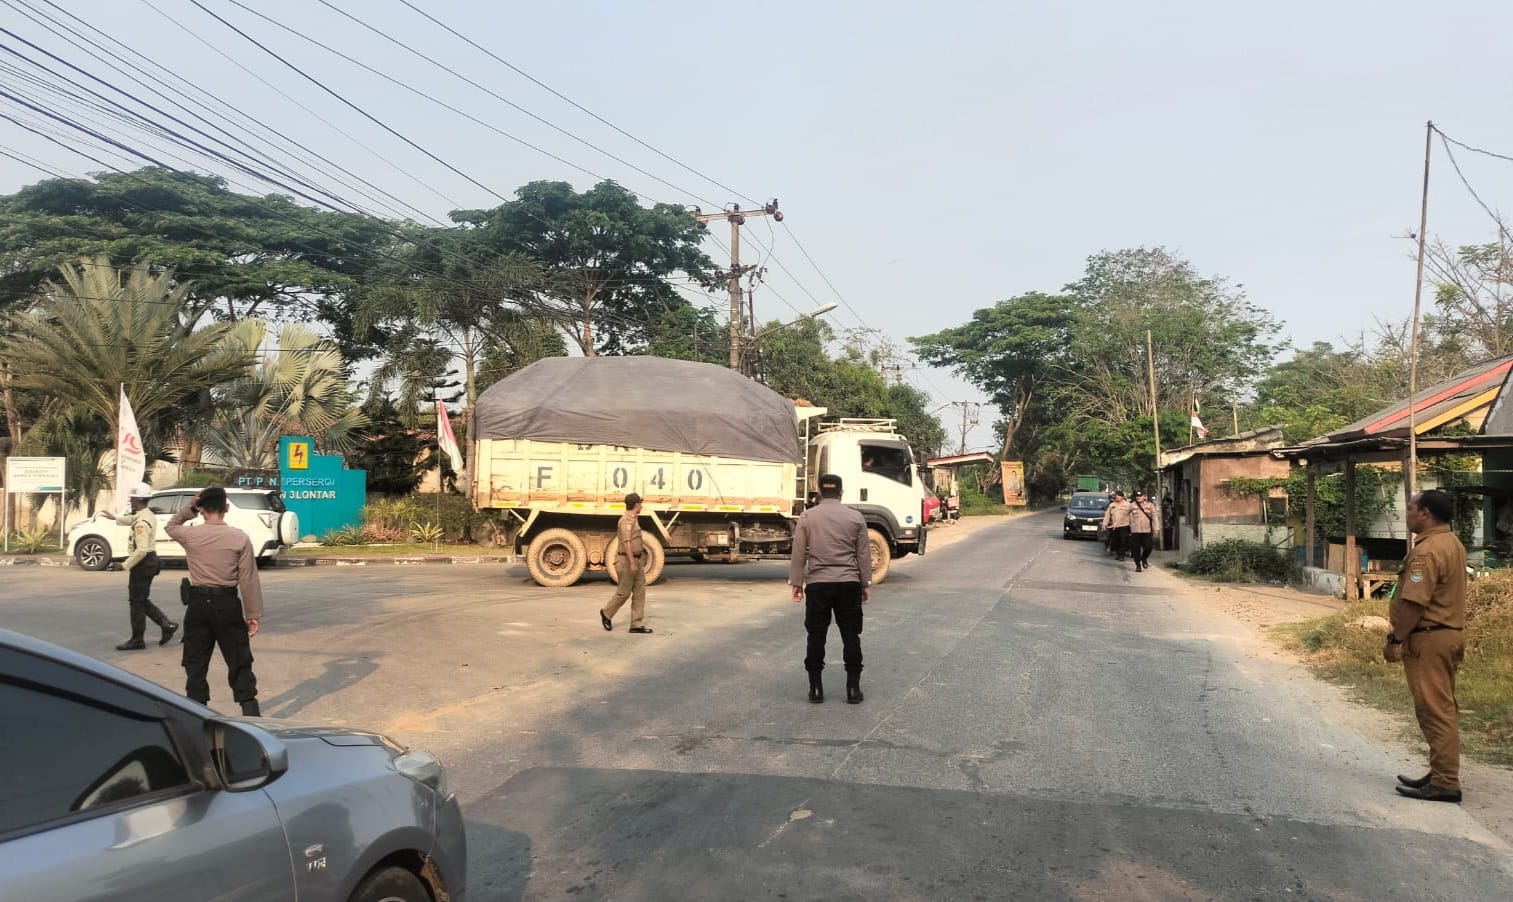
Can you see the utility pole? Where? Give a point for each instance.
(1410, 473)
(969, 411)
(736, 217)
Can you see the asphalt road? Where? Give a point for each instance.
(1040, 723)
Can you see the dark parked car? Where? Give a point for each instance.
(112, 787)
(1084, 515)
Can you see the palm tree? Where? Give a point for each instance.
(102, 327)
(299, 388)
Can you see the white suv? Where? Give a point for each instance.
(260, 513)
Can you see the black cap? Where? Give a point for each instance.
(830, 482)
(632, 500)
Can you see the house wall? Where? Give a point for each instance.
(1209, 513)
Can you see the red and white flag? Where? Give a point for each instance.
(1197, 423)
(445, 438)
(131, 459)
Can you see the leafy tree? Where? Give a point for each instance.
(300, 388)
(245, 256)
(1472, 319)
(1070, 371)
(1008, 350)
(800, 368)
(607, 261)
(102, 328)
(82, 439)
(391, 452)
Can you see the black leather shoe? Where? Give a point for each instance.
(605, 621)
(853, 695)
(168, 630)
(1416, 783)
(251, 709)
(816, 692)
(641, 629)
(131, 645)
(1430, 793)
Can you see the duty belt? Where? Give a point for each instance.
(1435, 626)
(213, 591)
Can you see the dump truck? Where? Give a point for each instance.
(723, 464)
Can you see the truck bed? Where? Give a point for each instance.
(581, 478)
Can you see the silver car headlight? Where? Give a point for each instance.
(422, 767)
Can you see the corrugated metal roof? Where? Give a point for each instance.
(1487, 381)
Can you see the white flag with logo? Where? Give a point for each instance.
(131, 459)
(445, 438)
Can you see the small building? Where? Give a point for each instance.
(1197, 506)
(1469, 416)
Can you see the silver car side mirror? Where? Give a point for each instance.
(244, 757)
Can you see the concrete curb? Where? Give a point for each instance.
(333, 561)
(397, 560)
(30, 560)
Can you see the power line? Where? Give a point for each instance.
(554, 92)
(364, 113)
(1454, 164)
(492, 93)
(384, 158)
(112, 58)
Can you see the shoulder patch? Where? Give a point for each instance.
(1416, 574)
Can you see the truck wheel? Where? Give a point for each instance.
(882, 555)
(556, 558)
(656, 558)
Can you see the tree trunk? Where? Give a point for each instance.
(587, 341)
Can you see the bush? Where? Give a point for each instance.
(384, 535)
(1239, 561)
(33, 541)
(347, 535)
(458, 520)
(1490, 594)
(426, 532)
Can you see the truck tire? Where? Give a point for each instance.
(882, 555)
(556, 558)
(656, 558)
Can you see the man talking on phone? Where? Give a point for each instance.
(224, 598)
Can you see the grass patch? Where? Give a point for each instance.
(400, 548)
(1352, 656)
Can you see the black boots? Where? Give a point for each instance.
(251, 709)
(816, 690)
(135, 643)
(853, 690)
(168, 630)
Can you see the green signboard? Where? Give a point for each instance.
(321, 491)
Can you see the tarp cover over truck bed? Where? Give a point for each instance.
(641, 402)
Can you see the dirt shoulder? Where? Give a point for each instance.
(1489, 789)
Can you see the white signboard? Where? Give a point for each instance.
(34, 474)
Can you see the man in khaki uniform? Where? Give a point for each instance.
(630, 566)
(221, 566)
(830, 570)
(1116, 521)
(141, 565)
(1428, 635)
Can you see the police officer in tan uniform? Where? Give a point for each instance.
(1116, 521)
(630, 566)
(221, 566)
(1428, 635)
(831, 572)
(141, 565)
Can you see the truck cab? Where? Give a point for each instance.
(880, 479)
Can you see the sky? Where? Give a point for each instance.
(931, 158)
